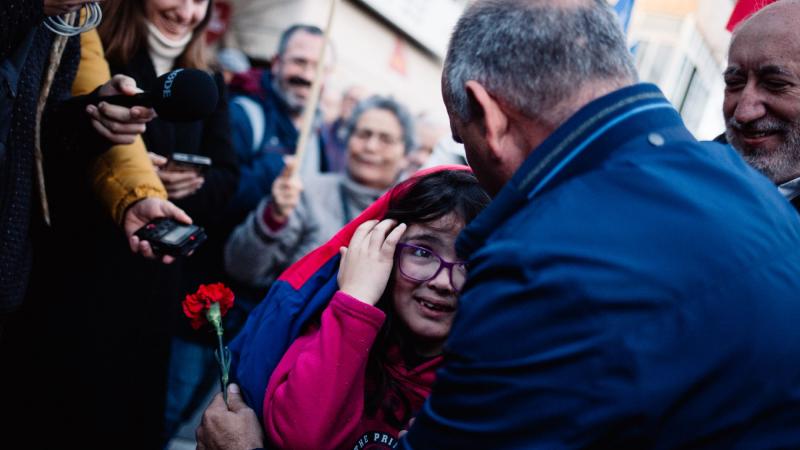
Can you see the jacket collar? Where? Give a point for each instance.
(584, 141)
(790, 189)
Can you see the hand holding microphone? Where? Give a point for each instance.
(179, 96)
(119, 124)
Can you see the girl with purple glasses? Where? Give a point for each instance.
(354, 378)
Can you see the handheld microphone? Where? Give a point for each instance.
(182, 95)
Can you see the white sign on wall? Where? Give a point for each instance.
(429, 22)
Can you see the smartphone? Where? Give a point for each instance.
(168, 237)
(188, 161)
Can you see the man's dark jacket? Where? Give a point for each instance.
(629, 287)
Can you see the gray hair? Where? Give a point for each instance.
(313, 30)
(289, 32)
(388, 104)
(534, 55)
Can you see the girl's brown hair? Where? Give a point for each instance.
(124, 32)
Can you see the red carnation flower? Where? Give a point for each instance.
(208, 305)
(197, 306)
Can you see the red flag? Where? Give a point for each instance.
(743, 10)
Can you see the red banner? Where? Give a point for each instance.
(743, 10)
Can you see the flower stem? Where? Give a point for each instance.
(223, 367)
(223, 355)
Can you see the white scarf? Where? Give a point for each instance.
(163, 50)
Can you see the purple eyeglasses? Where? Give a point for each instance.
(422, 264)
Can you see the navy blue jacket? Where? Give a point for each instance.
(630, 287)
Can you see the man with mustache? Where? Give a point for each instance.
(266, 118)
(762, 95)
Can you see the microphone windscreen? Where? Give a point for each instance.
(184, 95)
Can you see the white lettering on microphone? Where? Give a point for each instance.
(167, 92)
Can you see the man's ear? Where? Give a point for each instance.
(487, 112)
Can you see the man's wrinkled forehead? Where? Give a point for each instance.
(769, 56)
(303, 41)
(306, 46)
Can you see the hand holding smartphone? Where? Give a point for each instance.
(181, 162)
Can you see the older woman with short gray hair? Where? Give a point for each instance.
(300, 215)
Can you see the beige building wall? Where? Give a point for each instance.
(365, 47)
(681, 45)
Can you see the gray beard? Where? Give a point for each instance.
(780, 165)
(295, 104)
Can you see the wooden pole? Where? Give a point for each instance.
(311, 106)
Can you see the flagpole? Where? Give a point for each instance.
(311, 105)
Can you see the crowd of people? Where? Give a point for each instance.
(596, 277)
(71, 268)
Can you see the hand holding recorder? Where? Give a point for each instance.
(156, 241)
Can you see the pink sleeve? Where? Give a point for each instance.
(315, 397)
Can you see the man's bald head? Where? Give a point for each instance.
(782, 12)
(776, 23)
(762, 94)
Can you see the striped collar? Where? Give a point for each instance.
(584, 141)
(791, 189)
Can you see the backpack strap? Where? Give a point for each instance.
(255, 114)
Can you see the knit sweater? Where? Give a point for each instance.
(64, 124)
